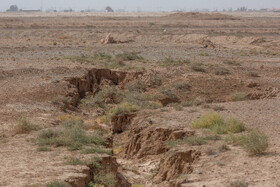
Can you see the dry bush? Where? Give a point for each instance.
(24, 126)
(238, 96)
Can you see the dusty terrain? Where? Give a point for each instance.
(45, 58)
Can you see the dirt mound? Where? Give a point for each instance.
(201, 16)
(95, 79)
(151, 140)
(176, 164)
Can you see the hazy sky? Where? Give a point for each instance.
(132, 5)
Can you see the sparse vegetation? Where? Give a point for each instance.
(223, 147)
(238, 183)
(202, 53)
(57, 184)
(238, 96)
(129, 56)
(136, 86)
(217, 124)
(255, 143)
(172, 62)
(232, 63)
(72, 136)
(221, 71)
(105, 178)
(74, 161)
(24, 126)
(182, 86)
(198, 67)
(253, 74)
(155, 81)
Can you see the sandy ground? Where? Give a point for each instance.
(33, 48)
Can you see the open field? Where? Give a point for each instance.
(115, 99)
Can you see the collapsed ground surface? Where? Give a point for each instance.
(224, 55)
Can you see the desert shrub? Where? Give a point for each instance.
(169, 93)
(155, 81)
(81, 59)
(43, 149)
(24, 126)
(109, 95)
(136, 86)
(124, 108)
(238, 96)
(97, 149)
(255, 142)
(234, 139)
(105, 178)
(217, 124)
(187, 103)
(238, 183)
(103, 57)
(172, 62)
(182, 86)
(74, 161)
(218, 108)
(208, 120)
(128, 56)
(221, 71)
(235, 126)
(253, 74)
(197, 67)
(57, 184)
(219, 128)
(194, 140)
(72, 136)
(202, 53)
(223, 147)
(197, 101)
(231, 62)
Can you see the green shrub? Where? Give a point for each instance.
(255, 143)
(57, 184)
(238, 96)
(208, 120)
(24, 126)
